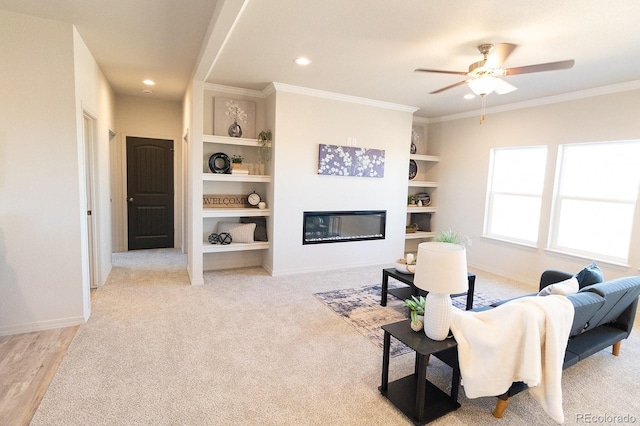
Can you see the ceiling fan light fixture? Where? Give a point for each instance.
(482, 86)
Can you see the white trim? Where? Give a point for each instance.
(281, 87)
(41, 326)
(565, 97)
(234, 90)
(587, 257)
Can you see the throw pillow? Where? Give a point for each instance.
(240, 232)
(590, 275)
(564, 288)
(261, 227)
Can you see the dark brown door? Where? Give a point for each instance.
(149, 193)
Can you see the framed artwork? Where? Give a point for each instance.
(338, 160)
(234, 118)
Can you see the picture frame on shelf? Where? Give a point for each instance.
(234, 118)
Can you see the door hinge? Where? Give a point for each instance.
(88, 212)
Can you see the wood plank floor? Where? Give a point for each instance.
(28, 362)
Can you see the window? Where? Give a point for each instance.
(514, 193)
(595, 197)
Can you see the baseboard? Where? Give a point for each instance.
(41, 326)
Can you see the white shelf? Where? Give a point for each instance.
(224, 177)
(421, 157)
(419, 235)
(423, 184)
(226, 140)
(220, 248)
(415, 209)
(239, 212)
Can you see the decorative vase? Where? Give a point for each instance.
(235, 131)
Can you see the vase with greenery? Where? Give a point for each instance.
(264, 146)
(416, 305)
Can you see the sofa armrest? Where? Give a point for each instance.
(585, 306)
(551, 276)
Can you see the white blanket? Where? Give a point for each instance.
(522, 340)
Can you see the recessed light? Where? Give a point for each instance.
(149, 82)
(469, 96)
(302, 61)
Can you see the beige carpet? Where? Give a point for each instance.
(251, 349)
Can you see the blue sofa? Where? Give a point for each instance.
(604, 316)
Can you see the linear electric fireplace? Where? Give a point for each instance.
(343, 226)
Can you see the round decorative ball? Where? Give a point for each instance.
(213, 238)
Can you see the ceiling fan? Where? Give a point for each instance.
(482, 76)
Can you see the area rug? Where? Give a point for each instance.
(361, 308)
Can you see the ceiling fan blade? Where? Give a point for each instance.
(550, 66)
(499, 55)
(504, 87)
(441, 71)
(460, 83)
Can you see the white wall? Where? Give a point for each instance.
(147, 118)
(41, 216)
(464, 147)
(95, 97)
(302, 122)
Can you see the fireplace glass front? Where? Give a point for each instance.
(343, 226)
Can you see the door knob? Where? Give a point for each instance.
(130, 200)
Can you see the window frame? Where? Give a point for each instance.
(488, 229)
(559, 197)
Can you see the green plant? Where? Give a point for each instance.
(411, 199)
(451, 236)
(264, 137)
(237, 159)
(416, 304)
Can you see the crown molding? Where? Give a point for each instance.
(234, 90)
(281, 87)
(565, 97)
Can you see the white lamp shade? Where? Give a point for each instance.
(483, 85)
(441, 268)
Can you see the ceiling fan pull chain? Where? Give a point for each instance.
(482, 110)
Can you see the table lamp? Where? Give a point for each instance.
(441, 270)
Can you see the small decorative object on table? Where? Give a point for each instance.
(416, 304)
(406, 266)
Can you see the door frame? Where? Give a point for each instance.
(89, 138)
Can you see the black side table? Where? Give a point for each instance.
(414, 395)
(406, 292)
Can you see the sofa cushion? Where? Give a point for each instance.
(563, 288)
(589, 275)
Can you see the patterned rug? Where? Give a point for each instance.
(361, 308)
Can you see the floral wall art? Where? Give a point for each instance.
(234, 118)
(338, 160)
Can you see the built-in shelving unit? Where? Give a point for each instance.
(219, 256)
(423, 182)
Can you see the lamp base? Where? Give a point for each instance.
(437, 316)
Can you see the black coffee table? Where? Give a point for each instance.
(414, 395)
(403, 293)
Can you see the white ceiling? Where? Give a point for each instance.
(363, 48)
